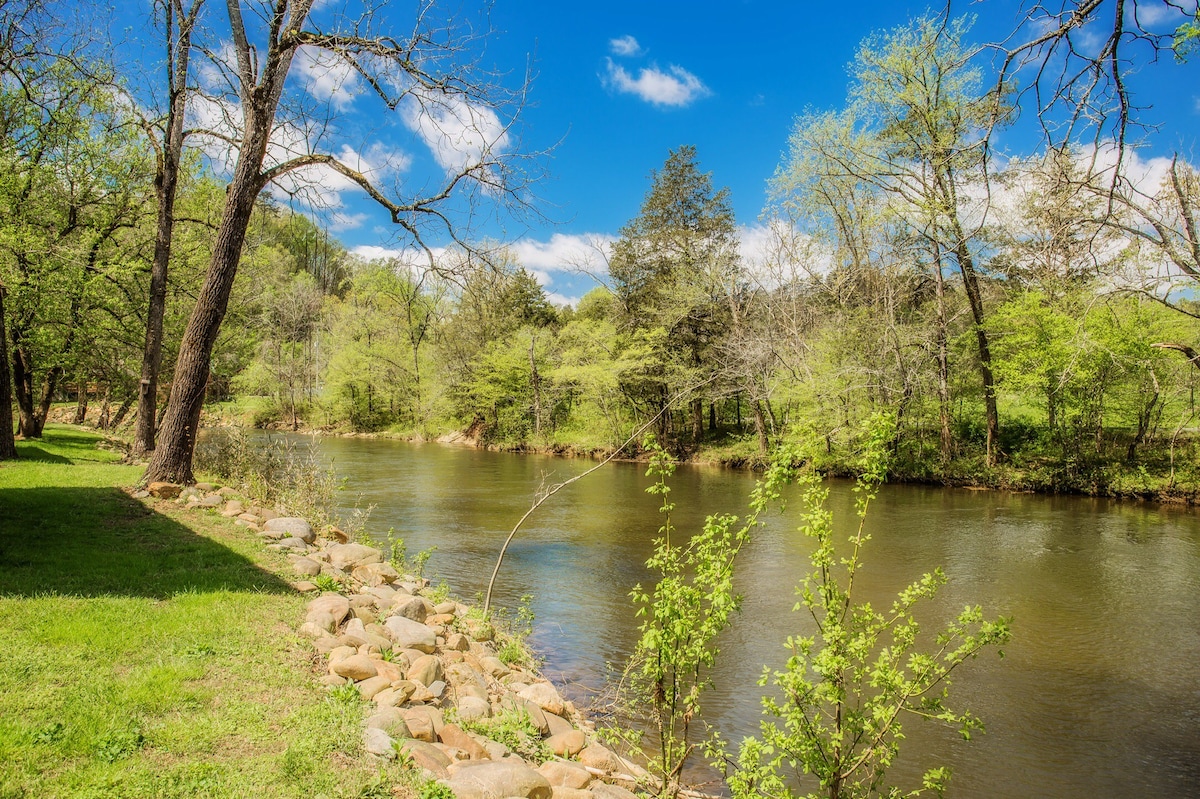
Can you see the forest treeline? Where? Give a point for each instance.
(1029, 321)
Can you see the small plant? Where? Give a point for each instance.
(327, 582)
(398, 555)
(119, 744)
(513, 728)
(682, 616)
(432, 789)
(515, 629)
(50, 734)
(837, 706)
(347, 694)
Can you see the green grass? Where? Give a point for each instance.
(149, 651)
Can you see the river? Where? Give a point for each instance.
(1097, 695)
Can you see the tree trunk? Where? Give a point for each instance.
(697, 419)
(81, 401)
(172, 461)
(27, 424)
(712, 418)
(166, 181)
(966, 265)
(8, 444)
(942, 343)
(760, 427)
(122, 411)
(536, 382)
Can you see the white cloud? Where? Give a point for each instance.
(625, 46)
(586, 252)
(459, 134)
(327, 77)
(339, 221)
(675, 87)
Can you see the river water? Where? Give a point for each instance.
(1098, 694)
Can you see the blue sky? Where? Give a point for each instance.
(617, 85)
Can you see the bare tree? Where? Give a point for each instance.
(427, 71)
(1081, 53)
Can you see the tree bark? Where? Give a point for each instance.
(8, 444)
(81, 401)
(172, 460)
(942, 343)
(760, 427)
(166, 181)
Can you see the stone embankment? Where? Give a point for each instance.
(436, 691)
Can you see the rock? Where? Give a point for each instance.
(141, 494)
(409, 634)
(392, 670)
(325, 622)
(355, 667)
(545, 696)
(249, 518)
(558, 725)
(453, 735)
(395, 696)
(311, 629)
(331, 680)
(391, 721)
(383, 592)
(306, 567)
(567, 744)
(568, 775)
(164, 490)
(272, 535)
(336, 535)
(375, 574)
(446, 608)
(440, 619)
(437, 688)
(602, 790)
(494, 666)
(226, 492)
(292, 526)
(293, 543)
(472, 708)
(598, 757)
(479, 629)
(304, 586)
(233, 508)
(205, 487)
(348, 556)
(563, 792)
(428, 757)
(335, 605)
(211, 501)
(372, 686)
(426, 670)
(379, 743)
(457, 642)
(536, 716)
(424, 722)
(497, 780)
(341, 652)
(411, 608)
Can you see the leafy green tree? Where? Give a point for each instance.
(837, 709)
(671, 269)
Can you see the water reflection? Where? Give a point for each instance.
(1099, 692)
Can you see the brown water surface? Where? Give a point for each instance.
(1098, 694)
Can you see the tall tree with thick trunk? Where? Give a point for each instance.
(425, 72)
(178, 26)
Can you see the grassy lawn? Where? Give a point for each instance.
(150, 652)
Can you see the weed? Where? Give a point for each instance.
(50, 734)
(346, 694)
(327, 582)
(513, 728)
(119, 744)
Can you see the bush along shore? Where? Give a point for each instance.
(443, 690)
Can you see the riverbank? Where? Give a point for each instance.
(167, 643)
(150, 651)
(1166, 475)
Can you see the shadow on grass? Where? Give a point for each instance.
(28, 452)
(100, 541)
